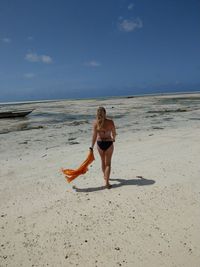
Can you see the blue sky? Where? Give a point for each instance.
(86, 48)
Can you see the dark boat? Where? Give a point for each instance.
(14, 113)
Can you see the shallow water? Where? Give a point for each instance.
(140, 113)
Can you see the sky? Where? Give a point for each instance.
(55, 49)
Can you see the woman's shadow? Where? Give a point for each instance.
(139, 181)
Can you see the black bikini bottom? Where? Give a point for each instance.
(104, 145)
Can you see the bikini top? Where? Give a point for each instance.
(104, 133)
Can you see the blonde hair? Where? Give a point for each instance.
(101, 117)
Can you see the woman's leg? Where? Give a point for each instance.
(102, 155)
(108, 157)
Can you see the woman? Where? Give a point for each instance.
(104, 133)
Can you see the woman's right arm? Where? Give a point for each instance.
(113, 131)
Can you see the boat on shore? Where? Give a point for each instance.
(14, 113)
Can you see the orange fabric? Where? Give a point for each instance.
(72, 174)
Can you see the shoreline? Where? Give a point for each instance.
(98, 98)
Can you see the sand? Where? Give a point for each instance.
(150, 217)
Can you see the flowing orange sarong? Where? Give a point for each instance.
(72, 174)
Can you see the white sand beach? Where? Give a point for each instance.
(149, 218)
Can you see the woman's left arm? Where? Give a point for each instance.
(94, 135)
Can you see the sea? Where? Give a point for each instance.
(144, 112)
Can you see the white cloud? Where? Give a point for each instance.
(34, 57)
(92, 63)
(30, 38)
(129, 25)
(130, 6)
(6, 40)
(29, 75)
(46, 59)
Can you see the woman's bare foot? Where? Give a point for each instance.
(108, 186)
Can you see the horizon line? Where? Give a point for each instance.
(98, 97)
